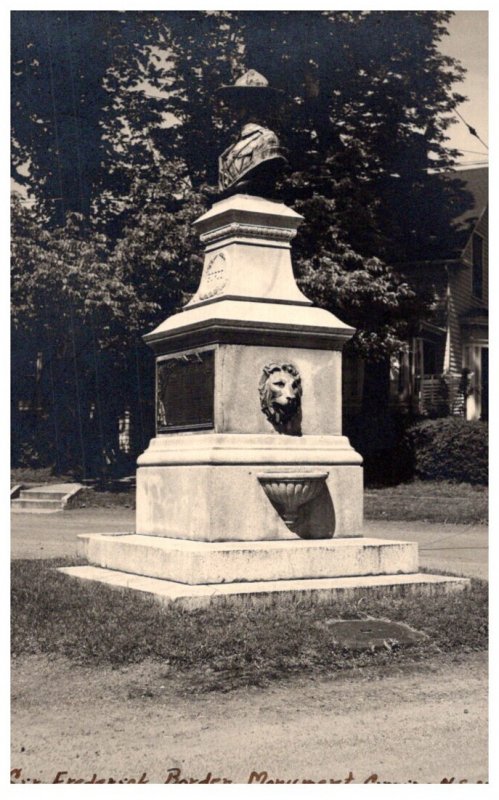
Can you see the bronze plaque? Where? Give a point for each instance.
(185, 388)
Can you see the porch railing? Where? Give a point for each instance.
(441, 394)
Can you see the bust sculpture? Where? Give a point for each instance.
(252, 164)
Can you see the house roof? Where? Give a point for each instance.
(476, 182)
(464, 195)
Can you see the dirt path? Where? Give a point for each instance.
(421, 725)
(56, 535)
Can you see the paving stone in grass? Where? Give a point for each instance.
(362, 634)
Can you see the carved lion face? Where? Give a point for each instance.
(280, 393)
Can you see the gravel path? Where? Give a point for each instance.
(422, 725)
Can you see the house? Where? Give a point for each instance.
(444, 368)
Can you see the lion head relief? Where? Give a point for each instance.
(280, 396)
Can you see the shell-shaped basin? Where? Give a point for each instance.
(291, 490)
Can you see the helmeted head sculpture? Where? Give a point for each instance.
(280, 396)
(253, 163)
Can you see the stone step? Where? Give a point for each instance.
(36, 506)
(41, 494)
(45, 499)
(269, 592)
(15, 490)
(192, 562)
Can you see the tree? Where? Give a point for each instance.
(369, 103)
(73, 324)
(369, 100)
(58, 62)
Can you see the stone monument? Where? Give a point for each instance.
(249, 491)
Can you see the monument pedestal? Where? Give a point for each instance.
(196, 574)
(227, 487)
(218, 432)
(249, 491)
(198, 563)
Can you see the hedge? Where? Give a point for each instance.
(451, 448)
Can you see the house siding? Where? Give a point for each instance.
(460, 294)
(427, 375)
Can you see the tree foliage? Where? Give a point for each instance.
(74, 323)
(369, 99)
(114, 119)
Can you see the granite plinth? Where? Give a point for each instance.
(197, 563)
(269, 593)
(196, 574)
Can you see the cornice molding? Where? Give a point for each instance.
(245, 231)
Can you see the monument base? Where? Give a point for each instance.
(210, 487)
(194, 574)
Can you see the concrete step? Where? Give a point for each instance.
(36, 505)
(45, 499)
(269, 593)
(15, 490)
(190, 562)
(40, 494)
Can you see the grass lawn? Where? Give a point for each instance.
(429, 501)
(93, 498)
(222, 647)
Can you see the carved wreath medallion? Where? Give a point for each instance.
(215, 277)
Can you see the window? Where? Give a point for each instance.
(477, 276)
(429, 357)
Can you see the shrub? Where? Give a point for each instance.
(450, 449)
(381, 442)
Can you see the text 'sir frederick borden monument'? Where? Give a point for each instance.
(249, 491)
